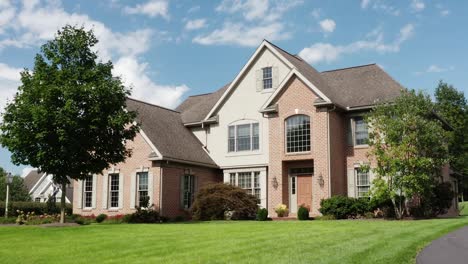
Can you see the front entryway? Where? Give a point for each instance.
(300, 191)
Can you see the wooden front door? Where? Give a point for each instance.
(304, 190)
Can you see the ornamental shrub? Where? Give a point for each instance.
(281, 210)
(303, 213)
(144, 214)
(213, 201)
(100, 218)
(262, 214)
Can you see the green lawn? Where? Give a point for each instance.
(463, 208)
(225, 242)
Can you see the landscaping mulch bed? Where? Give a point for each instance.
(59, 225)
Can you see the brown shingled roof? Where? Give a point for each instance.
(165, 129)
(195, 108)
(362, 85)
(32, 178)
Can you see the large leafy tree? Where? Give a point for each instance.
(18, 191)
(451, 104)
(408, 143)
(68, 117)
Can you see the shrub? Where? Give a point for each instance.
(436, 203)
(144, 214)
(303, 213)
(100, 218)
(281, 210)
(214, 200)
(37, 208)
(83, 221)
(340, 207)
(262, 214)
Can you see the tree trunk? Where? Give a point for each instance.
(62, 203)
(398, 209)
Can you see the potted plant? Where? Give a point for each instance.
(281, 210)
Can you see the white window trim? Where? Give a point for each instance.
(356, 186)
(236, 152)
(352, 121)
(93, 193)
(109, 196)
(263, 77)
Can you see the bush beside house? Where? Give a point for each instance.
(220, 201)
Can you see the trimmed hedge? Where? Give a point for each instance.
(303, 213)
(342, 207)
(37, 208)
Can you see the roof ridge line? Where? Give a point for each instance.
(154, 105)
(195, 95)
(351, 67)
(292, 55)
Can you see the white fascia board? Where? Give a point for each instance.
(302, 78)
(38, 183)
(264, 44)
(148, 141)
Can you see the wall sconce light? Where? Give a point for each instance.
(274, 182)
(320, 180)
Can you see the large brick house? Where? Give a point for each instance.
(281, 130)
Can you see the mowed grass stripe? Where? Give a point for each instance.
(226, 242)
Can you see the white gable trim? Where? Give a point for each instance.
(37, 184)
(148, 141)
(302, 78)
(234, 83)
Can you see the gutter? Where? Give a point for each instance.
(184, 161)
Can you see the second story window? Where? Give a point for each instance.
(297, 134)
(361, 134)
(267, 78)
(243, 137)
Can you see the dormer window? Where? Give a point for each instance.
(267, 78)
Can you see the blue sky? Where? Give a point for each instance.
(167, 50)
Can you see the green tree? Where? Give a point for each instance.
(408, 143)
(18, 192)
(69, 116)
(451, 104)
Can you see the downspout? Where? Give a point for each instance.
(329, 150)
(160, 190)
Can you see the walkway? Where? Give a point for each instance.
(451, 248)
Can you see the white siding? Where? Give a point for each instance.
(243, 106)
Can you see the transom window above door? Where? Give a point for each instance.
(243, 137)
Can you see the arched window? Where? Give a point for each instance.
(297, 134)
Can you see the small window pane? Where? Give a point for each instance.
(113, 190)
(255, 137)
(232, 139)
(243, 137)
(361, 131)
(232, 179)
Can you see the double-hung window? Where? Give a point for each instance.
(298, 134)
(188, 189)
(142, 185)
(114, 190)
(244, 137)
(267, 78)
(88, 192)
(361, 135)
(249, 181)
(362, 182)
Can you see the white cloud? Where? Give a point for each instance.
(38, 22)
(437, 69)
(135, 74)
(152, 8)
(316, 13)
(195, 24)
(9, 82)
(417, 5)
(327, 25)
(445, 12)
(254, 20)
(380, 5)
(365, 3)
(239, 34)
(7, 13)
(193, 9)
(326, 52)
